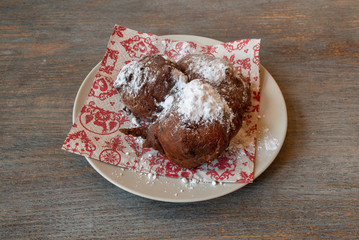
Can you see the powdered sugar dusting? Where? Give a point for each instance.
(167, 104)
(199, 101)
(181, 81)
(267, 140)
(138, 74)
(214, 70)
(180, 78)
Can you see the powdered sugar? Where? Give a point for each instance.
(199, 101)
(133, 76)
(213, 71)
(167, 104)
(181, 81)
(180, 78)
(269, 142)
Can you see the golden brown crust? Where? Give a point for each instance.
(190, 145)
(232, 87)
(185, 142)
(152, 83)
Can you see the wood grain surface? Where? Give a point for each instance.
(311, 191)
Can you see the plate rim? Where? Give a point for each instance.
(93, 162)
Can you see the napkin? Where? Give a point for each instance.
(95, 133)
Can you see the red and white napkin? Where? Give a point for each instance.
(96, 134)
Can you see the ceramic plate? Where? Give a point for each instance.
(272, 128)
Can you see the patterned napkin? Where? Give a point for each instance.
(96, 134)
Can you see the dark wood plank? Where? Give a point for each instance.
(311, 191)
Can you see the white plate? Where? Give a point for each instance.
(273, 114)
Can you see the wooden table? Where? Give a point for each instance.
(310, 191)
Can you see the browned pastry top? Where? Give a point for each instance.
(145, 83)
(193, 107)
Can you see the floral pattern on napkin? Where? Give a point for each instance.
(95, 132)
